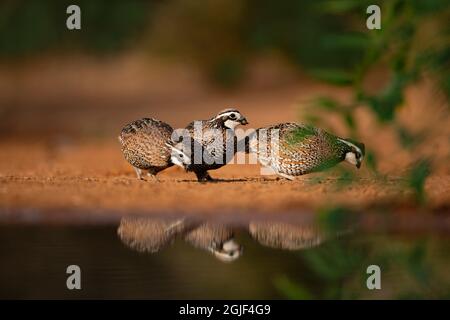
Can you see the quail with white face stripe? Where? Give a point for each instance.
(215, 145)
(152, 235)
(147, 146)
(217, 239)
(286, 236)
(292, 149)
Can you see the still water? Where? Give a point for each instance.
(187, 258)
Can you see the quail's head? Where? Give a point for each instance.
(231, 118)
(355, 153)
(178, 157)
(228, 251)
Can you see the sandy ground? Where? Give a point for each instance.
(59, 148)
(78, 177)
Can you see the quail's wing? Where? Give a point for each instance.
(205, 138)
(148, 138)
(298, 139)
(287, 141)
(196, 125)
(208, 235)
(285, 235)
(146, 126)
(304, 146)
(149, 235)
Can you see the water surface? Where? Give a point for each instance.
(185, 258)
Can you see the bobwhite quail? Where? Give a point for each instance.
(150, 235)
(154, 234)
(147, 146)
(286, 236)
(292, 149)
(217, 239)
(211, 143)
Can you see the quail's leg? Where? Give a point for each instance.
(286, 176)
(138, 173)
(153, 176)
(208, 177)
(203, 176)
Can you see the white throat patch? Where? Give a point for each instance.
(350, 158)
(178, 157)
(176, 161)
(231, 124)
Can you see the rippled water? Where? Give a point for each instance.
(185, 257)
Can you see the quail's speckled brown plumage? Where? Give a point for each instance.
(147, 145)
(292, 149)
(286, 236)
(149, 235)
(217, 239)
(214, 146)
(154, 234)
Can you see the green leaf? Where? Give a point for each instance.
(326, 103)
(322, 266)
(294, 291)
(385, 103)
(334, 219)
(417, 177)
(371, 161)
(349, 120)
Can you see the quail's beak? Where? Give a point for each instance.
(358, 163)
(243, 121)
(228, 251)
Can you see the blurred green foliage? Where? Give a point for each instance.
(335, 220)
(400, 46)
(292, 290)
(417, 177)
(413, 42)
(326, 38)
(409, 269)
(37, 26)
(412, 266)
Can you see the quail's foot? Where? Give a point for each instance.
(139, 173)
(152, 177)
(203, 176)
(286, 176)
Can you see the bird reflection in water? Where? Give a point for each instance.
(154, 234)
(286, 236)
